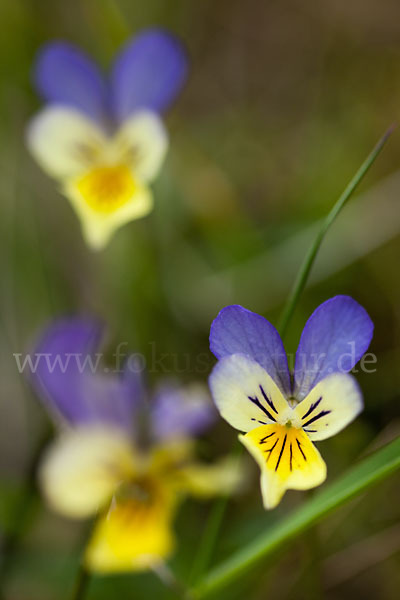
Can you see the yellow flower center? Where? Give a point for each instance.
(136, 532)
(105, 189)
(141, 490)
(288, 460)
(284, 448)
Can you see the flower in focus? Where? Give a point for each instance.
(118, 456)
(283, 413)
(105, 141)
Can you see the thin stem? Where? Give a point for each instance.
(211, 530)
(83, 576)
(81, 584)
(209, 538)
(309, 259)
(313, 570)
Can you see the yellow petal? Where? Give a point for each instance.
(141, 143)
(82, 469)
(329, 407)
(287, 458)
(64, 142)
(106, 198)
(172, 453)
(136, 533)
(223, 477)
(173, 461)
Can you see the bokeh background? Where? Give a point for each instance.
(284, 101)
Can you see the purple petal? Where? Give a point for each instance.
(333, 340)
(178, 412)
(70, 379)
(148, 73)
(64, 75)
(237, 330)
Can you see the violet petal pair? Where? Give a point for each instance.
(148, 73)
(334, 339)
(70, 378)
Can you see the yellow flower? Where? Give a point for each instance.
(282, 414)
(102, 138)
(96, 469)
(106, 178)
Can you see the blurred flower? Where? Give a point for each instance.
(105, 142)
(282, 415)
(131, 460)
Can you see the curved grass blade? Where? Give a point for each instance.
(311, 255)
(355, 481)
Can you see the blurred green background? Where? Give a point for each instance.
(284, 101)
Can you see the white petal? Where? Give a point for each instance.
(245, 395)
(64, 142)
(83, 468)
(330, 406)
(142, 143)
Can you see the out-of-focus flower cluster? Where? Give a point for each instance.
(121, 454)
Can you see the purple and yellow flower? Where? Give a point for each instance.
(283, 413)
(104, 141)
(121, 457)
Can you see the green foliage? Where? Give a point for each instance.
(356, 480)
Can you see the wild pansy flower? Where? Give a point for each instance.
(283, 413)
(128, 460)
(104, 141)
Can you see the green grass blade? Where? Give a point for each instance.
(311, 255)
(355, 481)
(209, 538)
(81, 584)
